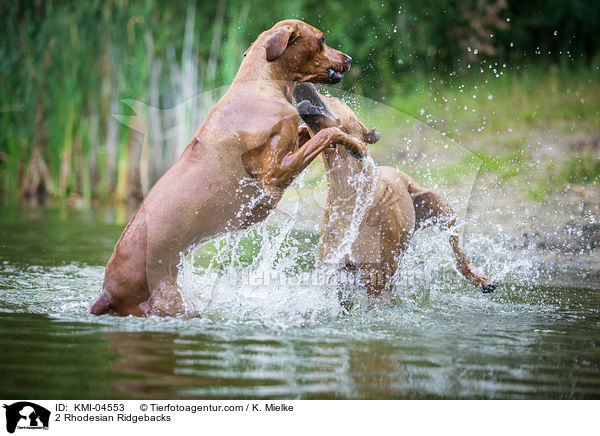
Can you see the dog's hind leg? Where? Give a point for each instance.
(166, 298)
(432, 207)
(377, 281)
(347, 286)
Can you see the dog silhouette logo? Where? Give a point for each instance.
(26, 415)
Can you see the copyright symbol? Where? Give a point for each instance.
(143, 407)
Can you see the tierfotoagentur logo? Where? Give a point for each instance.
(26, 415)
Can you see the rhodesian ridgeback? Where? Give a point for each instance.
(398, 207)
(231, 175)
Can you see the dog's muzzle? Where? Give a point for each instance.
(334, 75)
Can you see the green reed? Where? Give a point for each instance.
(64, 79)
(79, 81)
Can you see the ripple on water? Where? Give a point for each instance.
(289, 338)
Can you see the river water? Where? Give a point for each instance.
(537, 336)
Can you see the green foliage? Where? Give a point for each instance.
(65, 67)
(537, 193)
(582, 168)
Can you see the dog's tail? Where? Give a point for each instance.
(431, 207)
(102, 304)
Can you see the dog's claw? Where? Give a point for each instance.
(486, 289)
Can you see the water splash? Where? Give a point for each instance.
(363, 183)
(271, 274)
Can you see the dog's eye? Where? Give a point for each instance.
(323, 40)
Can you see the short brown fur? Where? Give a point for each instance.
(230, 176)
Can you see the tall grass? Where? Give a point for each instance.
(98, 100)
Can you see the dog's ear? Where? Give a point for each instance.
(279, 40)
(372, 136)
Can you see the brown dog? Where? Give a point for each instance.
(231, 175)
(399, 206)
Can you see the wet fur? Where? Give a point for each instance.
(399, 206)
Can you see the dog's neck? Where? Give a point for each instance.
(266, 78)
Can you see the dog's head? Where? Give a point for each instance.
(300, 51)
(321, 111)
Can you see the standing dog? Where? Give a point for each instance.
(399, 206)
(232, 173)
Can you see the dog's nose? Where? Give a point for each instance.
(349, 59)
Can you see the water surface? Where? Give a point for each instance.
(535, 337)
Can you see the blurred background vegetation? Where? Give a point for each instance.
(69, 69)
